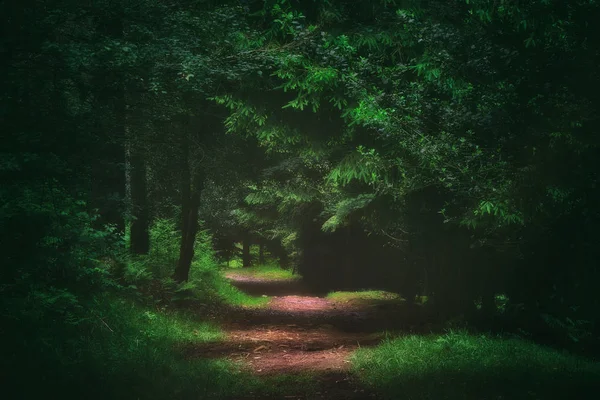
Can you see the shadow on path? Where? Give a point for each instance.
(294, 303)
(301, 331)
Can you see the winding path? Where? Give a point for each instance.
(300, 332)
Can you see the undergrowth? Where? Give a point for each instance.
(124, 350)
(463, 366)
(107, 325)
(118, 350)
(152, 274)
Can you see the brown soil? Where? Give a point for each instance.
(273, 349)
(301, 332)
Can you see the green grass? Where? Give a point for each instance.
(464, 366)
(231, 295)
(130, 351)
(119, 350)
(131, 342)
(153, 345)
(161, 339)
(173, 326)
(364, 296)
(168, 333)
(269, 271)
(235, 262)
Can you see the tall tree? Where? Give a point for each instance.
(192, 181)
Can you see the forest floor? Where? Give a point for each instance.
(300, 333)
(299, 344)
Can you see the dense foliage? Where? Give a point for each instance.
(460, 135)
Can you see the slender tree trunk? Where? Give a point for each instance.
(261, 252)
(277, 249)
(191, 187)
(246, 260)
(139, 236)
(188, 238)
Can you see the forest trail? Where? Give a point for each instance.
(299, 332)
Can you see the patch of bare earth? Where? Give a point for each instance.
(274, 349)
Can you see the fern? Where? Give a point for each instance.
(358, 167)
(258, 198)
(344, 208)
(374, 41)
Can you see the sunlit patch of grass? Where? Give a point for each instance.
(231, 295)
(464, 366)
(127, 350)
(147, 359)
(364, 296)
(126, 318)
(176, 327)
(211, 287)
(270, 271)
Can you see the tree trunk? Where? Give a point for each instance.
(188, 238)
(139, 236)
(191, 187)
(246, 260)
(261, 252)
(277, 250)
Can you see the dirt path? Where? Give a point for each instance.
(299, 332)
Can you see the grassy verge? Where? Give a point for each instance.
(365, 296)
(463, 366)
(271, 271)
(126, 350)
(116, 349)
(231, 295)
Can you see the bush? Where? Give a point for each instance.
(164, 248)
